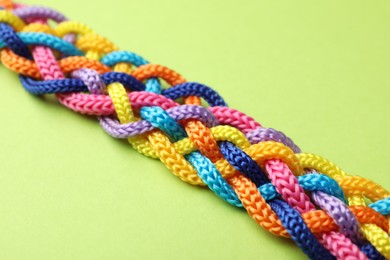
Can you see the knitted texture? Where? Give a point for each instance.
(287, 192)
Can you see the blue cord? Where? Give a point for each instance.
(9, 38)
(195, 89)
(382, 206)
(112, 58)
(213, 178)
(75, 85)
(371, 252)
(204, 167)
(299, 232)
(43, 39)
(243, 163)
(159, 118)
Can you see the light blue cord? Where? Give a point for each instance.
(311, 182)
(205, 168)
(34, 38)
(159, 118)
(213, 178)
(382, 206)
(115, 57)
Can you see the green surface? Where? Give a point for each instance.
(318, 70)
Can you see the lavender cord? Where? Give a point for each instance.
(113, 127)
(38, 12)
(269, 134)
(91, 79)
(96, 86)
(117, 130)
(341, 215)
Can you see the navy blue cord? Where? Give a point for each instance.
(75, 85)
(246, 165)
(13, 41)
(127, 80)
(195, 89)
(243, 163)
(290, 218)
(52, 86)
(299, 232)
(371, 252)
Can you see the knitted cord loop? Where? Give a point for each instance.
(287, 192)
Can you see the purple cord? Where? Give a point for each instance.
(341, 215)
(96, 86)
(114, 128)
(269, 134)
(91, 79)
(38, 12)
(117, 130)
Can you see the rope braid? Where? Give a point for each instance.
(287, 192)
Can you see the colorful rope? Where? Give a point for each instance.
(287, 192)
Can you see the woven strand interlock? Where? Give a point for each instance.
(326, 212)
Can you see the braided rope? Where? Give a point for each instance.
(287, 192)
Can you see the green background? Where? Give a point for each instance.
(318, 70)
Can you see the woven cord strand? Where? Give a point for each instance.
(245, 164)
